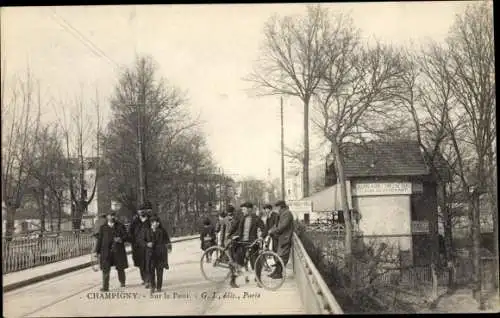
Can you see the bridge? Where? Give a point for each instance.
(71, 288)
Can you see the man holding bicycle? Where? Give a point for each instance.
(283, 231)
(244, 231)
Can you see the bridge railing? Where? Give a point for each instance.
(26, 251)
(22, 251)
(314, 292)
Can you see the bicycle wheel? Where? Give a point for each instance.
(214, 264)
(268, 261)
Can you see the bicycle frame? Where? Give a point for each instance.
(247, 247)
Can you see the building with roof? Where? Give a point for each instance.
(391, 193)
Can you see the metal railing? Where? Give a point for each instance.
(26, 251)
(314, 292)
(22, 252)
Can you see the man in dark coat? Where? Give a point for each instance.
(245, 228)
(110, 250)
(271, 221)
(139, 224)
(283, 232)
(158, 245)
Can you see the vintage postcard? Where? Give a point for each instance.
(241, 159)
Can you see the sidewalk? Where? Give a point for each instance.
(37, 274)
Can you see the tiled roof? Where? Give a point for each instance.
(377, 159)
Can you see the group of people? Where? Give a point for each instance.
(150, 248)
(151, 243)
(275, 225)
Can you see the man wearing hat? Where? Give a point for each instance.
(110, 249)
(283, 231)
(271, 221)
(140, 224)
(245, 228)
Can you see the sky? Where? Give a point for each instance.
(205, 50)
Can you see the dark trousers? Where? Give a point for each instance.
(156, 277)
(284, 253)
(106, 274)
(144, 273)
(239, 250)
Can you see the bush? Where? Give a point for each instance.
(374, 268)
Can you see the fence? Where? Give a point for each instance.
(387, 275)
(23, 251)
(26, 251)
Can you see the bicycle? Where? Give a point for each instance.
(222, 259)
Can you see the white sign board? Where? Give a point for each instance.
(382, 188)
(300, 207)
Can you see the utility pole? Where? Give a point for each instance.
(282, 154)
(142, 192)
(221, 180)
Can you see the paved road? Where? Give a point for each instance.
(77, 294)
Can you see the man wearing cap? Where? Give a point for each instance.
(283, 231)
(110, 249)
(245, 229)
(139, 225)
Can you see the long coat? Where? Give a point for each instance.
(283, 232)
(137, 229)
(156, 256)
(271, 222)
(112, 253)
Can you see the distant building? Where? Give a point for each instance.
(294, 184)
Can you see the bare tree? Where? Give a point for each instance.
(425, 101)
(82, 154)
(292, 61)
(472, 57)
(356, 88)
(48, 175)
(450, 96)
(20, 126)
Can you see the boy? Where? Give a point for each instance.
(158, 245)
(207, 237)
